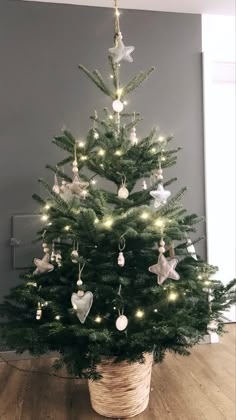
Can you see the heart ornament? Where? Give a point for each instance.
(82, 305)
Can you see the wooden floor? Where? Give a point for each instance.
(199, 387)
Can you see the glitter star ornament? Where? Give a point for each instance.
(120, 52)
(43, 265)
(160, 196)
(165, 269)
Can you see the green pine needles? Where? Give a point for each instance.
(169, 317)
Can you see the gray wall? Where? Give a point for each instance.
(41, 89)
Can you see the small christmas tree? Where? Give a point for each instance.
(120, 276)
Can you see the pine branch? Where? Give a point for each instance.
(60, 173)
(137, 81)
(97, 80)
(61, 203)
(106, 89)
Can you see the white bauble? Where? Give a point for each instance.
(117, 105)
(123, 192)
(121, 322)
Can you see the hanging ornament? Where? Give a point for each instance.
(121, 322)
(75, 254)
(133, 138)
(81, 301)
(120, 52)
(77, 187)
(117, 105)
(191, 249)
(39, 312)
(43, 265)
(121, 258)
(160, 195)
(144, 185)
(164, 268)
(58, 258)
(63, 186)
(53, 255)
(123, 191)
(56, 188)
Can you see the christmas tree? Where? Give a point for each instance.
(120, 276)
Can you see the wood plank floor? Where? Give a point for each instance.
(198, 387)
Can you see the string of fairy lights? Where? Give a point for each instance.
(107, 222)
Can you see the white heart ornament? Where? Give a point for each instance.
(82, 305)
(121, 322)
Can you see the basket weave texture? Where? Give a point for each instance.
(123, 391)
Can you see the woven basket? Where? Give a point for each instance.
(123, 391)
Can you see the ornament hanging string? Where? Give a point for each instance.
(80, 270)
(117, 20)
(122, 243)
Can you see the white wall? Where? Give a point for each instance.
(218, 44)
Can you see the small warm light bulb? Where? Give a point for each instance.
(96, 135)
(119, 92)
(172, 296)
(98, 319)
(57, 317)
(117, 13)
(108, 223)
(155, 310)
(93, 182)
(199, 277)
(207, 282)
(96, 220)
(161, 138)
(144, 215)
(163, 158)
(84, 157)
(44, 217)
(159, 223)
(50, 224)
(111, 117)
(139, 314)
(153, 150)
(46, 303)
(47, 207)
(101, 164)
(101, 152)
(125, 103)
(114, 307)
(67, 227)
(81, 144)
(118, 153)
(111, 76)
